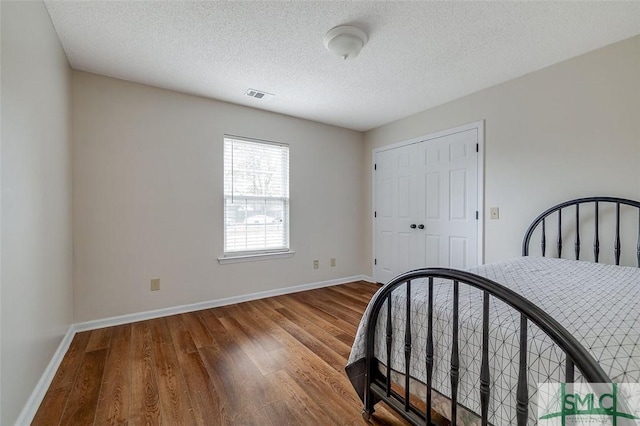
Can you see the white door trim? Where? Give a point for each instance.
(479, 127)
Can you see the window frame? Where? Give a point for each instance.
(265, 253)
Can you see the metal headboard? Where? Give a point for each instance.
(597, 201)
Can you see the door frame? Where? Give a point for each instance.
(479, 127)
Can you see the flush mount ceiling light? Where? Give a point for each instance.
(345, 41)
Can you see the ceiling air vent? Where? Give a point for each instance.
(258, 94)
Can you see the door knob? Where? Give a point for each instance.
(412, 226)
(421, 226)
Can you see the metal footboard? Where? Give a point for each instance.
(380, 388)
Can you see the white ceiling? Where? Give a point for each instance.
(419, 54)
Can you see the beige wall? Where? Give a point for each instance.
(36, 200)
(569, 130)
(147, 198)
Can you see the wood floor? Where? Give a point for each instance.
(276, 361)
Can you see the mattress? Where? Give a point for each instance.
(598, 304)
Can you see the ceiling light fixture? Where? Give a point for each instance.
(345, 41)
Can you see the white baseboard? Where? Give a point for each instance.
(158, 313)
(32, 405)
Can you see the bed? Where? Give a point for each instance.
(473, 345)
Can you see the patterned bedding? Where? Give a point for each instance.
(599, 304)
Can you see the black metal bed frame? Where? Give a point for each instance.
(596, 241)
(378, 386)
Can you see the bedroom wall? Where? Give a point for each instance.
(36, 201)
(565, 131)
(147, 198)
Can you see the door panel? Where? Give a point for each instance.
(404, 197)
(395, 210)
(456, 199)
(458, 150)
(432, 195)
(386, 256)
(385, 209)
(458, 195)
(457, 252)
(404, 251)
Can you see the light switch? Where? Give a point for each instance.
(495, 212)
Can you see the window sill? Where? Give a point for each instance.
(253, 257)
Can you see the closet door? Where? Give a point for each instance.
(397, 248)
(447, 170)
(426, 198)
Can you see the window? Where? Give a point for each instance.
(256, 197)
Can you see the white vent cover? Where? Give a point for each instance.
(258, 94)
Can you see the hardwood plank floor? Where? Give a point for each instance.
(276, 361)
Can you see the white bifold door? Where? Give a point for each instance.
(427, 204)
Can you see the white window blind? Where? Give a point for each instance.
(256, 196)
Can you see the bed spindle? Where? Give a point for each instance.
(522, 398)
(485, 378)
(407, 349)
(596, 240)
(617, 244)
(429, 357)
(543, 239)
(577, 231)
(569, 371)
(455, 360)
(638, 246)
(560, 233)
(389, 340)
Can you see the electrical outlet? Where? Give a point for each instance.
(316, 264)
(155, 284)
(333, 262)
(495, 212)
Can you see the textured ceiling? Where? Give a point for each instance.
(419, 54)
